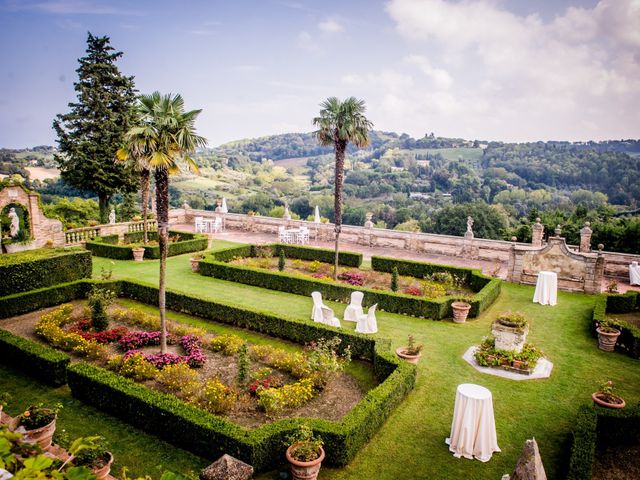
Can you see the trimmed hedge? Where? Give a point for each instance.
(215, 265)
(325, 255)
(39, 361)
(189, 242)
(33, 269)
(210, 436)
(597, 426)
(629, 339)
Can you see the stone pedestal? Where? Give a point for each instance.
(537, 232)
(227, 468)
(585, 237)
(511, 339)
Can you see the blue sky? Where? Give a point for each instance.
(509, 70)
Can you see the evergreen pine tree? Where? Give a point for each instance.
(281, 260)
(91, 133)
(394, 279)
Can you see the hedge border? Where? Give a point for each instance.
(209, 435)
(216, 265)
(325, 255)
(599, 426)
(629, 339)
(104, 246)
(62, 266)
(39, 361)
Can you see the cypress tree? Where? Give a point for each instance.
(93, 130)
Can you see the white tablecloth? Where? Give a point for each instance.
(634, 274)
(473, 429)
(546, 289)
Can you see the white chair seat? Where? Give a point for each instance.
(354, 310)
(368, 323)
(328, 318)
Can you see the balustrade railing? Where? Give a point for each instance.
(139, 226)
(76, 235)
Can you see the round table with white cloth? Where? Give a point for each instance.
(546, 289)
(634, 273)
(473, 429)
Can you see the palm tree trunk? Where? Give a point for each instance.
(162, 205)
(340, 147)
(145, 184)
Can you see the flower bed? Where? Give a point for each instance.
(521, 362)
(179, 243)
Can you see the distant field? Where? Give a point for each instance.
(473, 154)
(41, 173)
(292, 162)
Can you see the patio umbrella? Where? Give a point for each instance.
(316, 217)
(223, 208)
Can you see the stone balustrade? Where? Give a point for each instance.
(75, 236)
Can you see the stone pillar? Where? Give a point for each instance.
(368, 223)
(537, 232)
(585, 238)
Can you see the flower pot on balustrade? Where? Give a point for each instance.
(138, 254)
(460, 311)
(607, 338)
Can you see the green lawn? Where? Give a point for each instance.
(411, 443)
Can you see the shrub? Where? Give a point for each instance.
(243, 364)
(352, 278)
(35, 269)
(216, 397)
(433, 290)
(228, 344)
(394, 279)
(135, 366)
(179, 379)
(186, 242)
(99, 299)
(325, 361)
(275, 400)
(281, 261)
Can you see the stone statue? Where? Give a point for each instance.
(112, 216)
(469, 224)
(14, 228)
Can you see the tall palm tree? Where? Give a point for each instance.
(166, 135)
(339, 123)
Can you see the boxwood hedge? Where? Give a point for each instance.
(324, 255)
(39, 361)
(188, 242)
(33, 269)
(629, 339)
(215, 265)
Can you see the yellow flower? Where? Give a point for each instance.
(26, 414)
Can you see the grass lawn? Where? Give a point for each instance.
(411, 443)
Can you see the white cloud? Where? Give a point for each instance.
(330, 26)
(68, 7)
(306, 42)
(574, 76)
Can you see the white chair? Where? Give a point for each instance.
(283, 235)
(368, 323)
(328, 318)
(216, 226)
(354, 310)
(302, 236)
(200, 226)
(316, 311)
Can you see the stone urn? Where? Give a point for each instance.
(460, 311)
(402, 353)
(608, 401)
(507, 337)
(43, 436)
(102, 473)
(138, 254)
(607, 338)
(195, 263)
(304, 470)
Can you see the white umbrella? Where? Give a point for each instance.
(223, 208)
(316, 217)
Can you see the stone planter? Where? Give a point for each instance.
(607, 340)
(195, 264)
(20, 247)
(599, 400)
(42, 436)
(304, 470)
(400, 351)
(460, 311)
(103, 472)
(138, 254)
(511, 339)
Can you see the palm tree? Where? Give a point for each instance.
(165, 135)
(338, 124)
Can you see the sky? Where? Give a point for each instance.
(511, 70)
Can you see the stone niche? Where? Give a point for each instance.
(508, 338)
(42, 228)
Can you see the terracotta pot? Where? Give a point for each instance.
(603, 403)
(460, 311)
(304, 470)
(400, 351)
(103, 473)
(42, 436)
(519, 364)
(195, 264)
(138, 254)
(607, 340)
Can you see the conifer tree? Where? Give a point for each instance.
(93, 130)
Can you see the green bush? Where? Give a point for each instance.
(34, 269)
(629, 339)
(583, 444)
(189, 242)
(37, 360)
(623, 303)
(325, 255)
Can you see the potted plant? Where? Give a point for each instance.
(93, 453)
(195, 261)
(138, 253)
(304, 453)
(606, 398)
(39, 424)
(607, 336)
(460, 310)
(410, 353)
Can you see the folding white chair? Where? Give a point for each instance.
(316, 311)
(302, 237)
(329, 318)
(283, 235)
(368, 323)
(200, 226)
(216, 226)
(354, 310)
